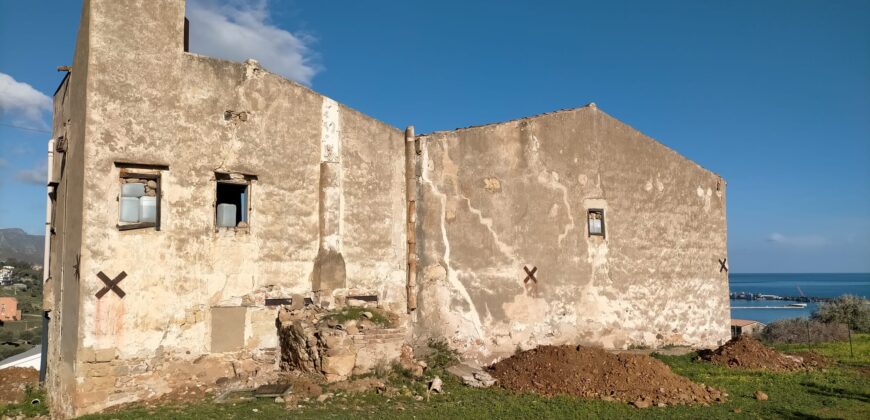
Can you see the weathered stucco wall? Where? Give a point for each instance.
(498, 198)
(62, 288)
(149, 103)
(327, 220)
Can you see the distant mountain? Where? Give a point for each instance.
(18, 244)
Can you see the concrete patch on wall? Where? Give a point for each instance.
(228, 329)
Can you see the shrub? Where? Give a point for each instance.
(797, 330)
(847, 309)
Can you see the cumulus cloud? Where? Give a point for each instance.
(799, 240)
(37, 175)
(238, 31)
(21, 102)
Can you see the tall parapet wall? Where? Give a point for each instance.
(507, 259)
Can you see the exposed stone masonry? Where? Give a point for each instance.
(312, 341)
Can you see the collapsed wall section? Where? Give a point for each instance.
(507, 258)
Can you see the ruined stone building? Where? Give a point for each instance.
(192, 197)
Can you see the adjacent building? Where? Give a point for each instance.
(9, 309)
(745, 327)
(191, 197)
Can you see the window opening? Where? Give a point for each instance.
(232, 200)
(595, 219)
(139, 201)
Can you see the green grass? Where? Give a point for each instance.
(27, 406)
(841, 391)
(348, 314)
(839, 351)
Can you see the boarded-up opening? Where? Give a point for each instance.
(227, 329)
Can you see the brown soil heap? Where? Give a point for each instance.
(594, 373)
(13, 382)
(745, 352)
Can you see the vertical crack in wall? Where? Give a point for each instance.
(472, 315)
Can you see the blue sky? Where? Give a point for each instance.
(772, 95)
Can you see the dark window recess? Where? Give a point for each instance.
(232, 204)
(595, 222)
(278, 301)
(186, 35)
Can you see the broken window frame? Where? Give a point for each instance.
(146, 172)
(234, 179)
(600, 214)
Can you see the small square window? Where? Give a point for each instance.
(139, 200)
(232, 200)
(595, 222)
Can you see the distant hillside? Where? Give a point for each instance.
(17, 244)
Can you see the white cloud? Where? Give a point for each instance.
(37, 175)
(238, 31)
(798, 241)
(21, 102)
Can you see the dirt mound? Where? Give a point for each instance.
(745, 352)
(594, 373)
(13, 382)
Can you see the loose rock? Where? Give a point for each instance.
(435, 385)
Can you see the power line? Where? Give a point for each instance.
(38, 130)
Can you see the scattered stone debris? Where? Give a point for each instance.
(760, 396)
(588, 372)
(745, 352)
(361, 385)
(472, 377)
(14, 381)
(407, 361)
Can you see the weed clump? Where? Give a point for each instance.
(378, 317)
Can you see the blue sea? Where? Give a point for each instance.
(816, 285)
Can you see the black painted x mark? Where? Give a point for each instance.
(111, 285)
(722, 265)
(530, 274)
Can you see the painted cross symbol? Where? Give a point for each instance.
(722, 265)
(76, 267)
(530, 274)
(111, 285)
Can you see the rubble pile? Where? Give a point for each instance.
(745, 352)
(594, 373)
(313, 340)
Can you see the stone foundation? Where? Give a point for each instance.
(104, 380)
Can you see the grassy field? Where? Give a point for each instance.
(841, 391)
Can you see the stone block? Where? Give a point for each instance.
(86, 354)
(98, 369)
(339, 365)
(105, 355)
